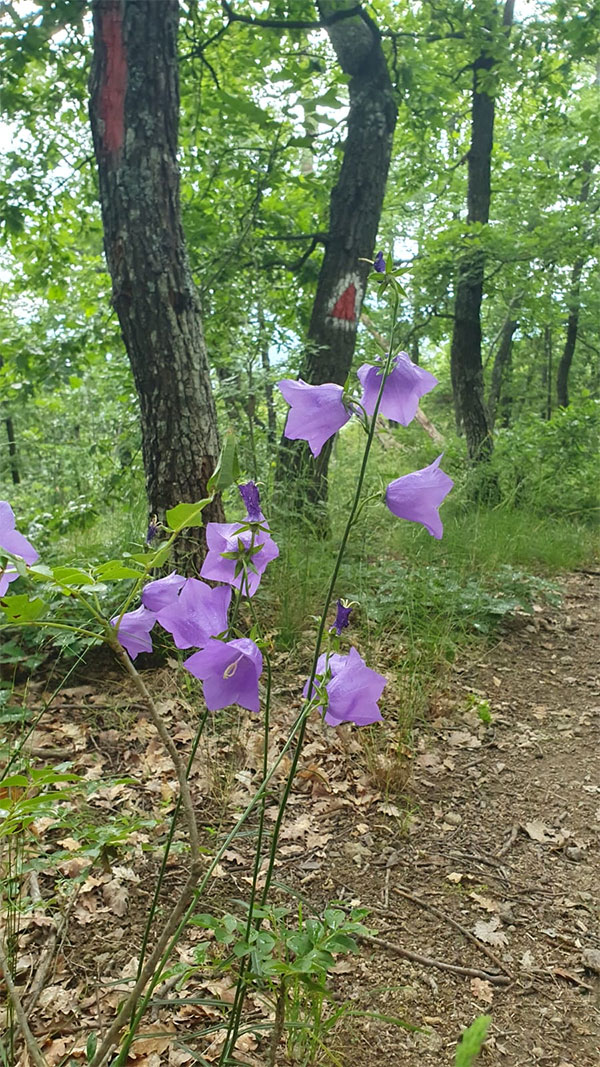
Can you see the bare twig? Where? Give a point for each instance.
(514, 833)
(404, 892)
(428, 961)
(32, 1046)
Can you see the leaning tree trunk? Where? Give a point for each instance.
(354, 213)
(465, 353)
(134, 111)
(501, 368)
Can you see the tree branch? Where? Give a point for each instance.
(290, 24)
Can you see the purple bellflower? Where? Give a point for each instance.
(316, 412)
(342, 619)
(379, 263)
(229, 672)
(251, 497)
(257, 549)
(11, 540)
(403, 388)
(8, 574)
(160, 593)
(417, 496)
(134, 630)
(353, 689)
(197, 614)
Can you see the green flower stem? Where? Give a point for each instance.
(240, 991)
(349, 524)
(161, 874)
(178, 920)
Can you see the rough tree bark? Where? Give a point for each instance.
(355, 209)
(465, 353)
(566, 359)
(134, 112)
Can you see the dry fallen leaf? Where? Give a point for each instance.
(538, 831)
(489, 932)
(482, 990)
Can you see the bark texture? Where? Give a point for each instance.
(566, 359)
(355, 209)
(465, 353)
(134, 112)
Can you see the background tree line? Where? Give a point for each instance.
(244, 163)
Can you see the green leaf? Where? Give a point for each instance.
(20, 609)
(71, 576)
(115, 571)
(186, 515)
(472, 1040)
(227, 470)
(90, 1047)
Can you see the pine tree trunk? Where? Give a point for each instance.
(355, 209)
(465, 353)
(134, 112)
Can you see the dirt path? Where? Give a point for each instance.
(502, 837)
(504, 840)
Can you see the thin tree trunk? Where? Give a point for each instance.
(134, 112)
(547, 377)
(12, 450)
(355, 209)
(465, 354)
(501, 367)
(263, 341)
(564, 365)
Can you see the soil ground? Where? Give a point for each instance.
(489, 861)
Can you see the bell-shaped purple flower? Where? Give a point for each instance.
(10, 539)
(352, 689)
(403, 388)
(197, 614)
(379, 263)
(342, 619)
(229, 672)
(161, 592)
(134, 630)
(251, 497)
(8, 574)
(316, 412)
(256, 548)
(417, 496)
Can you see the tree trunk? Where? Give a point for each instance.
(465, 354)
(355, 209)
(134, 112)
(547, 375)
(12, 450)
(564, 365)
(501, 368)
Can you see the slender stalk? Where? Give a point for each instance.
(163, 733)
(32, 1046)
(328, 598)
(178, 919)
(161, 874)
(240, 991)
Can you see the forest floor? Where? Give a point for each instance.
(487, 858)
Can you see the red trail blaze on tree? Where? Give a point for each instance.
(134, 112)
(345, 307)
(111, 106)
